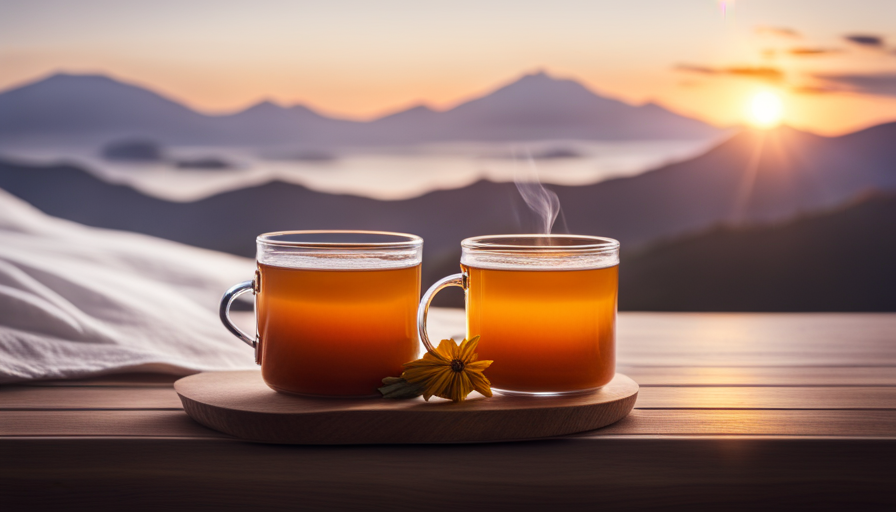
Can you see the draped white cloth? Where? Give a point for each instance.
(77, 301)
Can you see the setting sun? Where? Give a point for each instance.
(766, 109)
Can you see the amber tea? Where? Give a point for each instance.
(544, 308)
(336, 332)
(547, 331)
(335, 310)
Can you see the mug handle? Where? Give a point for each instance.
(423, 310)
(224, 310)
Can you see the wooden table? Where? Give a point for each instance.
(736, 411)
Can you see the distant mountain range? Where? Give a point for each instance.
(95, 109)
(755, 177)
(842, 260)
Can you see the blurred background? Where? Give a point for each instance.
(743, 152)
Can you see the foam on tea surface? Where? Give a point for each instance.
(338, 260)
(339, 250)
(540, 252)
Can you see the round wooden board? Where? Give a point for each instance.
(240, 403)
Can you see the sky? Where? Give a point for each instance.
(831, 63)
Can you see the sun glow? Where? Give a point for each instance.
(766, 109)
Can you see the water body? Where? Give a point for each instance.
(388, 173)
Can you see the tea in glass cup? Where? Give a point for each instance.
(544, 307)
(335, 310)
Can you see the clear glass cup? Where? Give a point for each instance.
(544, 307)
(335, 310)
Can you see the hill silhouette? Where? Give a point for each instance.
(754, 177)
(538, 106)
(90, 109)
(841, 260)
(230, 221)
(94, 109)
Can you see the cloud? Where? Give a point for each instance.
(762, 73)
(803, 51)
(692, 68)
(865, 40)
(690, 83)
(765, 74)
(814, 89)
(778, 31)
(881, 84)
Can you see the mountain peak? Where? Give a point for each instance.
(417, 113)
(539, 73)
(539, 76)
(421, 108)
(269, 110)
(540, 83)
(67, 79)
(266, 105)
(65, 75)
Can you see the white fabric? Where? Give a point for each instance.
(77, 301)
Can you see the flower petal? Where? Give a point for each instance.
(441, 384)
(481, 383)
(418, 375)
(424, 363)
(455, 391)
(478, 366)
(448, 349)
(466, 385)
(435, 357)
(468, 349)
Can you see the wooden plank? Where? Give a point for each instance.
(649, 422)
(682, 397)
(147, 380)
(644, 375)
(95, 398)
(741, 473)
(767, 398)
(753, 422)
(751, 339)
(739, 339)
(103, 423)
(760, 376)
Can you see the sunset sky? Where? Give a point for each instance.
(832, 63)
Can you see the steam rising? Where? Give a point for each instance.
(543, 202)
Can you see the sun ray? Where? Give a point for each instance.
(748, 180)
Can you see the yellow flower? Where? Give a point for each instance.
(452, 372)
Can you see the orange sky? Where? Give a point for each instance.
(362, 59)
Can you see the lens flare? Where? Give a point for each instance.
(766, 109)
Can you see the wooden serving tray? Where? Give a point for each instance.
(241, 404)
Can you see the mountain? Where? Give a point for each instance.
(230, 221)
(755, 177)
(87, 109)
(93, 109)
(841, 260)
(538, 106)
(268, 123)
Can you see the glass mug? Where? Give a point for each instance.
(335, 310)
(544, 307)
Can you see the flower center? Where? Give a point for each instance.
(457, 365)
